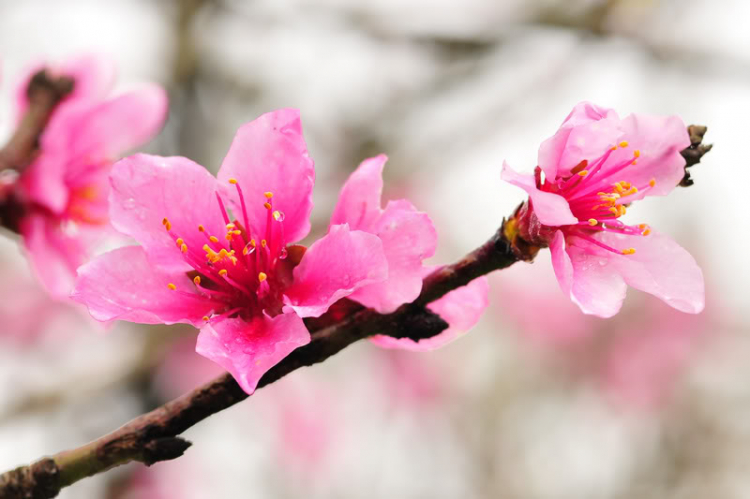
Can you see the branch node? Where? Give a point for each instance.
(164, 449)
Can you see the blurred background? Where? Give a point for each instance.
(538, 401)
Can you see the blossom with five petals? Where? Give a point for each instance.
(236, 277)
(64, 189)
(589, 172)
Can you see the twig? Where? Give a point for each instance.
(153, 437)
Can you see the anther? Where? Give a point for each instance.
(624, 143)
(201, 228)
(205, 318)
(593, 221)
(166, 224)
(213, 239)
(267, 205)
(262, 276)
(583, 173)
(179, 241)
(233, 181)
(183, 248)
(263, 243)
(230, 226)
(629, 251)
(197, 280)
(268, 195)
(171, 286)
(223, 272)
(652, 182)
(637, 153)
(646, 232)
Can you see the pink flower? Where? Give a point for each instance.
(593, 168)
(64, 190)
(408, 237)
(234, 277)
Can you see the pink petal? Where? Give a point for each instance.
(595, 284)
(660, 267)
(359, 201)
(408, 238)
(123, 285)
(54, 255)
(333, 268)
(659, 140)
(90, 133)
(248, 349)
(146, 189)
(44, 182)
(586, 133)
(461, 309)
(551, 209)
(561, 262)
(269, 154)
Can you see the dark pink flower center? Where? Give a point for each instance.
(241, 271)
(597, 200)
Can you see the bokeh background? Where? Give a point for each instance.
(538, 401)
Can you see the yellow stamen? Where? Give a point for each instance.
(201, 228)
(197, 280)
(164, 221)
(183, 248)
(233, 181)
(223, 272)
(268, 195)
(652, 182)
(171, 286)
(166, 224)
(613, 148)
(637, 153)
(629, 251)
(624, 143)
(245, 251)
(583, 173)
(236, 232)
(646, 232)
(634, 162)
(642, 226)
(213, 239)
(230, 226)
(205, 318)
(614, 211)
(593, 221)
(262, 276)
(229, 236)
(263, 243)
(252, 243)
(179, 241)
(267, 205)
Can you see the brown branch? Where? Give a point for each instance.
(44, 93)
(153, 437)
(695, 152)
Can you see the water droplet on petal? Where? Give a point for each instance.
(283, 254)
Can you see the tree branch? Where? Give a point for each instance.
(153, 437)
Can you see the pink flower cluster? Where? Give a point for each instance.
(589, 173)
(64, 190)
(220, 253)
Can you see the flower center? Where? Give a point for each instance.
(241, 272)
(597, 201)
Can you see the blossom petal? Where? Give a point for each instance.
(659, 140)
(333, 268)
(123, 285)
(408, 237)
(551, 209)
(359, 201)
(461, 309)
(595, 285)
(587, 133)
(146, 189)
(54, 255)
(249, 349)
(660, 267)
(91, 133)
(269, 154)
